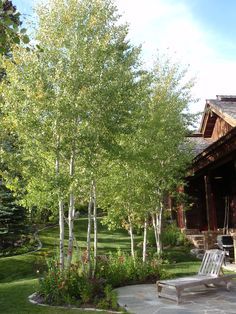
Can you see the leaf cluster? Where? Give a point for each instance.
(10, 31)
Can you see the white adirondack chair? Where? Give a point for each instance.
(209, 273)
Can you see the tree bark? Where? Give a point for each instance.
(159, 230)
(71, 213)
(157, 225)
(145, 240)
(89, 232)
(62, 233)
(61, 213)
(131, 237)
(154, 227)
(95, 226)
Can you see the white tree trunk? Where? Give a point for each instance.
(62, 233)
(145, 240)
(89, 232)
(71, 215)
(131, 238)
(157, 225)
(61, 215)
(71, 230)
(95, 226)
(159, 229)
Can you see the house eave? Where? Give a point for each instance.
(215, 151)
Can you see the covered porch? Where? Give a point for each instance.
(211, 190)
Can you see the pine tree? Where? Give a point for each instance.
(12, 216)
(12, 219)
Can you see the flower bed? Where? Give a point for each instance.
(75, 287)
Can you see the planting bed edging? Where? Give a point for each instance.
(32, 296)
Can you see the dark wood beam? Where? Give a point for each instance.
(210, 204)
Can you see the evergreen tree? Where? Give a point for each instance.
(12, 216)
(12, 219)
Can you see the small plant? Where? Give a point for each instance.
(110, 299)
(120, 269)
(53, 286)
(72, 286)
(172, 236)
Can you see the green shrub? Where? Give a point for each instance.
(74, 287)
(22, 245)
(172, 236)
(70, 286)
(53, 287)
(110, 299)
(120, 269)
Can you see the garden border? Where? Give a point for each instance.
(31, 300)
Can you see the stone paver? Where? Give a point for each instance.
(142, 299)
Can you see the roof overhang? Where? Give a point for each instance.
(218, 152)
(209, 117)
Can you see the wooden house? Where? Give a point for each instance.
(212, 184)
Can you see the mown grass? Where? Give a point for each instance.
(19, 274)
(183, 269)
(14, 299)
(181, 262)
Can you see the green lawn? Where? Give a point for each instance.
(183, 269)
(107, 240)
(182, 263)
(13, 299)
(18, 274)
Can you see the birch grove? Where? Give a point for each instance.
(158, 157)
(82, 81)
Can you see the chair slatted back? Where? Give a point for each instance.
(211, 263)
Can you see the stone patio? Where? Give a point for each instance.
(142, 299)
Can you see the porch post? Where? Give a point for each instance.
(210, 204)
(180, 212)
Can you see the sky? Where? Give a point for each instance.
(198, 33)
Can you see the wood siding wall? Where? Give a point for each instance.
(220, 129)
